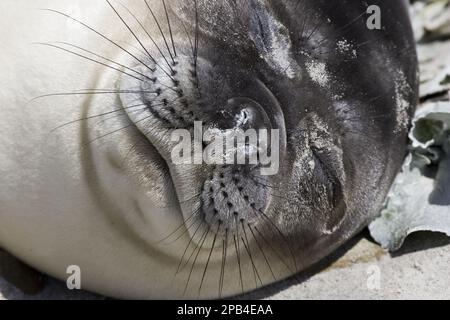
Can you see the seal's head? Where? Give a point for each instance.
(341, 97)
(334, 97)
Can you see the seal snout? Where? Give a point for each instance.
(204, 101)
(238, 194)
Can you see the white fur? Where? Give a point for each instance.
(49, 216)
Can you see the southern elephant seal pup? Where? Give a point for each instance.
(91, 91)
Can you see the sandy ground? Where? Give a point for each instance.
(362, 270)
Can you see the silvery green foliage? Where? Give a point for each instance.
(420, 197)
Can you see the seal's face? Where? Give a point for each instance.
(308, 70)
(339, 95)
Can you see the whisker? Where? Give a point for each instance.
(262, 251)
(115, 131)
(314, 29)
(273, 249)
(179, 268)
(260, 181)
(178, 228)
(96, 116)
(194, 197)
(197, 30)
(139, 50)
(189, 38)
(89, 59)
(351, 22)
(186, 231)
(305, 20)
(355, 119)
(321, 23)
(195, 260)
(101, 35)
(149, 36)
(362, 44)
(238, 253)
(224, 259)
(160, 30)
(137, 39)
(279, 197)
(63, 94)
(248, 249)
(170, 27)
(115, 116)
(192, 253)
(341, 29)
(283, 237)
(131, 31)
(357, 132)
(109, 60)
(208, 260)
(236, 247)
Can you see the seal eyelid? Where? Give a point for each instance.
(331, 179)
(260, 25)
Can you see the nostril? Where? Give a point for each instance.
(243, 113)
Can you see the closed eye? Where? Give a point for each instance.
(329, 177)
